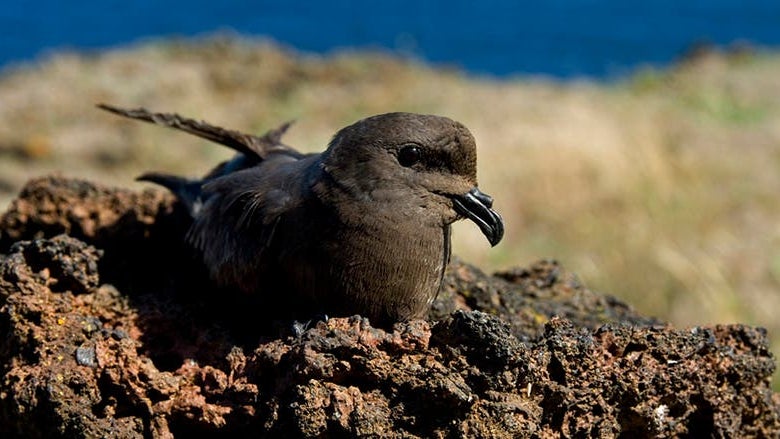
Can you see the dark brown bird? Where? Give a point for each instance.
(361, 228)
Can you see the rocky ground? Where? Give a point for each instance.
(111, 330)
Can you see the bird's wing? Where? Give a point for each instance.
(252, 151)
(240, 219)
(250, 145)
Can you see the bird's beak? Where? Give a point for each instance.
(476, 206)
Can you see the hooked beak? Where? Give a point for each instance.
(476, 206)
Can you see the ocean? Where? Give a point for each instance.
(563, 39)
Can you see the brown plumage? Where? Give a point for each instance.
(361, 228)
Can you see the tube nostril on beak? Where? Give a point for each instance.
(484, 198)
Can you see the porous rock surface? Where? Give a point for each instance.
(110, 329)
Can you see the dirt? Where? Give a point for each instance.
(111, 329)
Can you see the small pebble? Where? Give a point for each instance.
(85, 356)
(119, 334)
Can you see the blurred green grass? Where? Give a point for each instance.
(661, 189)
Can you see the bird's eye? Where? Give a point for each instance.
(409, 155)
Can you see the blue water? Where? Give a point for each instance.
(595, 38)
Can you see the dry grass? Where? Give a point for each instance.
(662, 190)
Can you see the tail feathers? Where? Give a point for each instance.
(247, 144)
(188, 191)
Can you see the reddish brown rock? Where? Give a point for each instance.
(111, 330)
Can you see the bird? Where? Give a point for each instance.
(363, 227)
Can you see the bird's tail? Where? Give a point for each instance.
(188, 191)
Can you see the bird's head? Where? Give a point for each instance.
(425, 165)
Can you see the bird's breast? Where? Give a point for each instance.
(388, 271)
